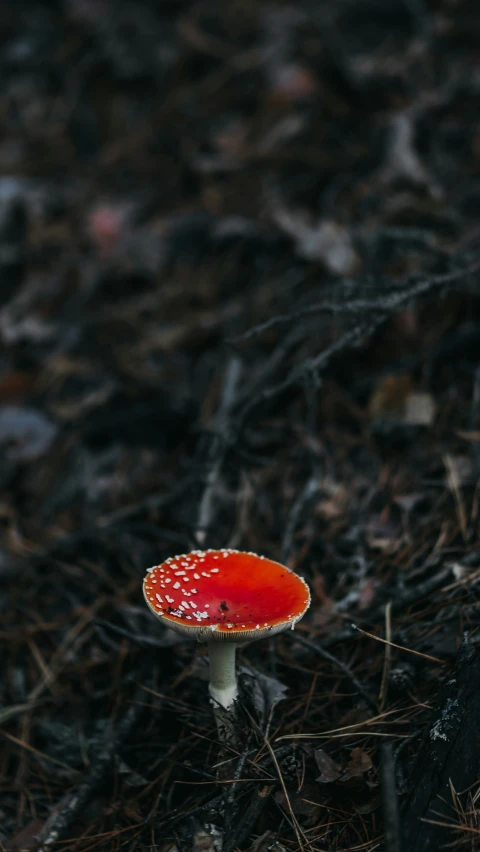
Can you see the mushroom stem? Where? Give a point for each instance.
(223, 690)
(223, 680)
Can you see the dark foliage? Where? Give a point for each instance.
(239, 306)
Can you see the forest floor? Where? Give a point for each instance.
(239, 304)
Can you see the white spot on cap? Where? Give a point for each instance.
(169, 599)
(214, 570)
(159, 598)
(176, 585)
(196, 576)
(179, 573)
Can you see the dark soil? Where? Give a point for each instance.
(240, 306)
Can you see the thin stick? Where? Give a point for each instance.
(388, 656)
(389, 303)
(349, 727)
(347, 734)
(400, 647)
(452, 826)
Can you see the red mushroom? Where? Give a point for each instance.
(225, 597)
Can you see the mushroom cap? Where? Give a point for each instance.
(225, 595)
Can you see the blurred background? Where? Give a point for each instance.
(239, 306)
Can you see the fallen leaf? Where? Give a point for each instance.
(359, 763)
(329, 770)
(265, 691)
